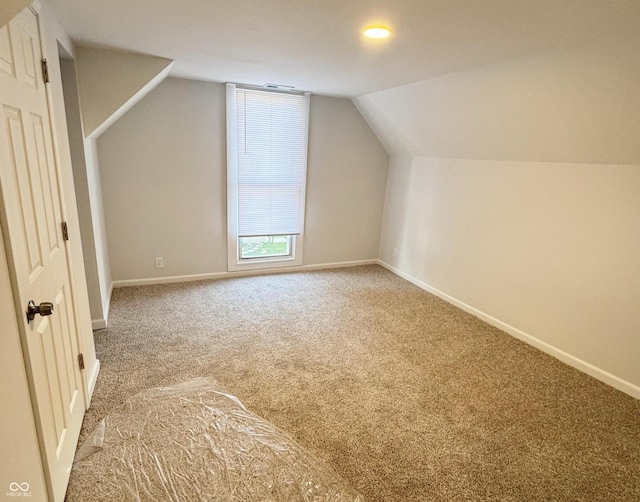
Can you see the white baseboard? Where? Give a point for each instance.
(579, 364)
(245, 273)
(107, 305)
(93, 379)
(97, 324)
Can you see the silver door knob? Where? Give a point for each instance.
(44, 309)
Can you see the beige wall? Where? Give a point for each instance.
(163, 168)
(81, 184)
(163, 182)
(517, 197)
(94, 183)
(87, 185)
(346, 180)
(109, 83)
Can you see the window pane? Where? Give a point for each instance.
(265, 246)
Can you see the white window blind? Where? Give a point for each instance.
(271, 162)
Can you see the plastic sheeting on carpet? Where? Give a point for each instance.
(194, 441)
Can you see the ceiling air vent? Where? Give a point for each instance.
(279, 87)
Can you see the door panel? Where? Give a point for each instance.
(64, 358)
(24, 187)
(6, 54)
(47, 185)
(46, 335)
(29, 44)
(32, 217)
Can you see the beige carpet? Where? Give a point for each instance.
(405, 396)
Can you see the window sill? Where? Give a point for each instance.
(265, 263)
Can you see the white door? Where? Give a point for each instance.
(32, 221)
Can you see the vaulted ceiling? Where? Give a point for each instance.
(317, 46)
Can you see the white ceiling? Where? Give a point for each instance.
(316, 45)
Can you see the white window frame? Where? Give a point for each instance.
(234, 262)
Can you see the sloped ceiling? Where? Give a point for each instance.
(316, 45)
(111, 82)
(578, 105)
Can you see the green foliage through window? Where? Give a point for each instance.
(265, 246)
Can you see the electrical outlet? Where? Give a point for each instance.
(159, 262)
(395, 252)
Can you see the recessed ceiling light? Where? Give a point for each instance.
(377, 32)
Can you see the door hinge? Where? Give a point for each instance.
(81, 361)
(65, 231)
(45, 71)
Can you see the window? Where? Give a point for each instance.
(266, 177)
(265, 247)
